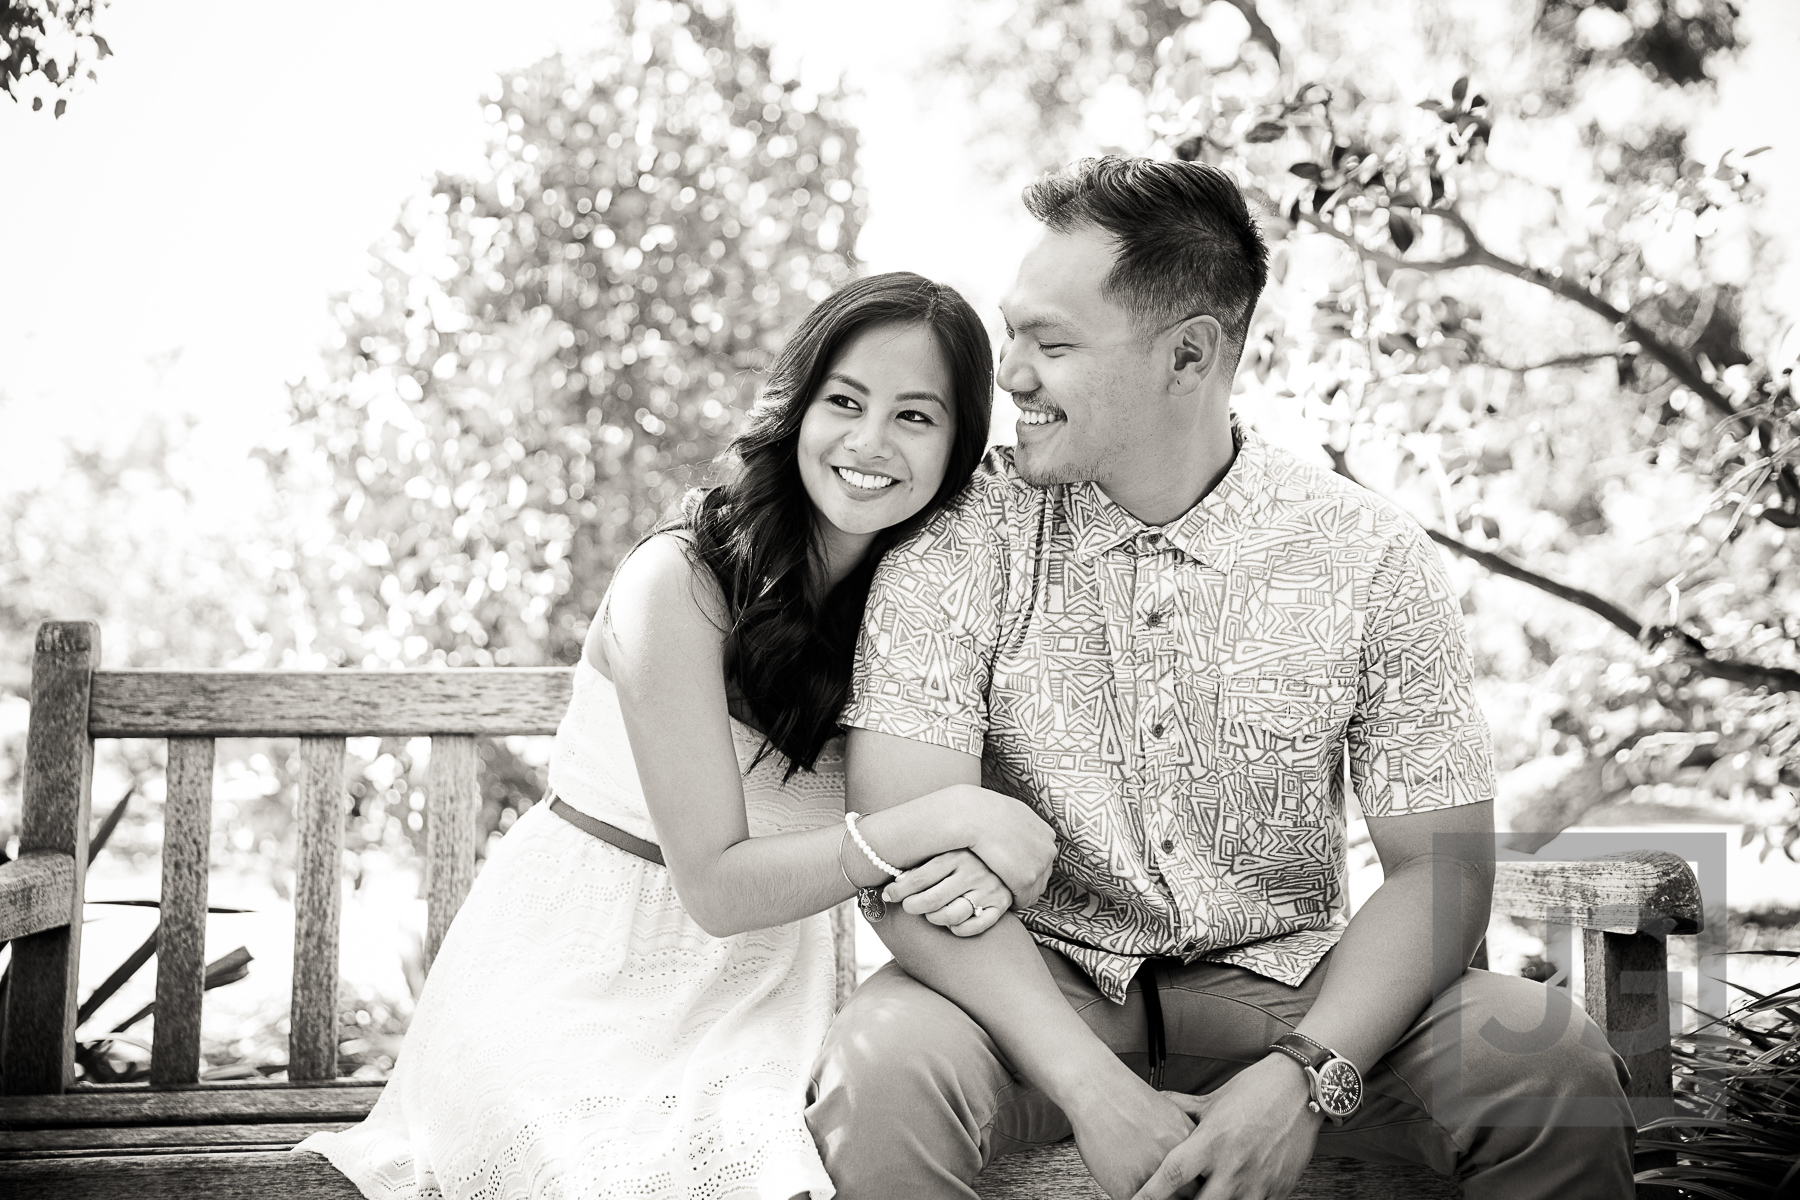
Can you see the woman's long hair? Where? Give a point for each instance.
(789, 651)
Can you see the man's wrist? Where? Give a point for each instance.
(1086, 1079)
(1292, 1077)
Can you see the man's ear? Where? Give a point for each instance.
(1198, 344)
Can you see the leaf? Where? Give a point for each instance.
(62, 106)
(1400, 229)
(1478, 101)
(105, 50)
(1459, 89)
(1758, 150)
(52, 72)
(37, 103)
(1432, 106)
(1306, 170)
(1266, 131)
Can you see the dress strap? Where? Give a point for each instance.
(611, 834)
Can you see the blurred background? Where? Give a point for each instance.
(373, 334)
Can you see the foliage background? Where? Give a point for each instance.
(554, 337)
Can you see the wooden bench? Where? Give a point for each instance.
(177, 1137)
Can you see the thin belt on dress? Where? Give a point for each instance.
(611, 834)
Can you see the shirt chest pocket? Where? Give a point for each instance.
(1282, 723)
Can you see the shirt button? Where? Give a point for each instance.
(1153, 620)
(1153, 536)
(1156, 730)
(1168, 845)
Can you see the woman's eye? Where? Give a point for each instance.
(841, 401)
(916, 417)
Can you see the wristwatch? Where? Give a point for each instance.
(1335, 1084)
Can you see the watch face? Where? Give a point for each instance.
(1340, 1087)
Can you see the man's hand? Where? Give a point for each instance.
(1124, 1129)
(1254, 1138)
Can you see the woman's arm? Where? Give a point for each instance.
(662, 645)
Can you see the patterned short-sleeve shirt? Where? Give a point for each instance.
(1179, 702)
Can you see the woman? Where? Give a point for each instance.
(597, 1024)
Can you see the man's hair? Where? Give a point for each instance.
(1186, 241)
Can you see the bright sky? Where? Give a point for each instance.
(170, 244)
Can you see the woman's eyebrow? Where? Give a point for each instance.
(843, 378)
(930, 397)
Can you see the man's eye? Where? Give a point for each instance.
(1047, 347)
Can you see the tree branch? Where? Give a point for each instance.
(1686, 648)
(1561, 360)
(1259, 28)
(1673, 359)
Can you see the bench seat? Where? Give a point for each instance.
(232, 1140)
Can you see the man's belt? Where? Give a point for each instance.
(610, 834)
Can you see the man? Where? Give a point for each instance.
(1176, 642)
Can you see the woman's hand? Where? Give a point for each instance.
(954, 890)
(1014, 842)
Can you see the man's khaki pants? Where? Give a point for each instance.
(1502, 1082)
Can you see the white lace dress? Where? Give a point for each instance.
(581, 1036)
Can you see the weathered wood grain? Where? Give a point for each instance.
(227, 1104)
(37, 892)
(843, 945)
(1642, 891)
(39, 1038)
(1626, 989)
(318, 871)
(452, 806)
(491, 701)
(219, 1175)
(127, 1138)
(1057, 1173)
(181, 939)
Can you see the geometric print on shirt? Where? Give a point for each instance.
(1182, 704)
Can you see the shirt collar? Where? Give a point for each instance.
(1208, 532)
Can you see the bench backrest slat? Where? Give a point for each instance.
(39, 1025)
(181, 938)
(452, 811)
(318, 871)
(493, 703)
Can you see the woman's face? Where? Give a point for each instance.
(876, 437)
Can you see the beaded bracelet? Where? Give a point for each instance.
(857, 837)
(874, 908)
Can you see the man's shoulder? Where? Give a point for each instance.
(1303, 492)
(988, 507)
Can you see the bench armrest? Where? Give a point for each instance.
(37, 892)
(1640, 891)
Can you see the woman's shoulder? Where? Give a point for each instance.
(666, 568)
(662, 582)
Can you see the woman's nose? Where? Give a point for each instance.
(867, 438)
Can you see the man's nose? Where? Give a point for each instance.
(1015, 375)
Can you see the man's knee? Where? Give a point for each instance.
(901, 1057)
(1525, 1039)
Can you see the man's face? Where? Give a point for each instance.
(1089, 387)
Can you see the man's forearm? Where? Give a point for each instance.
(1383, 973)
(1000, 980)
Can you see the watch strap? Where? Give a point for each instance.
(1303, 1050)
(1298, 1056)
